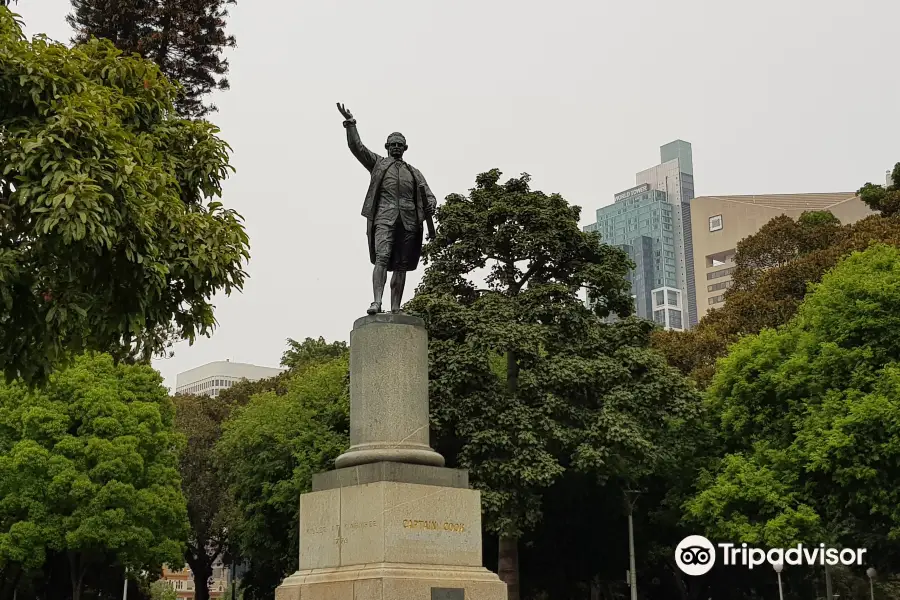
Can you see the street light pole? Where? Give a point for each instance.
(630, 498)
(232, 580)
(778, 567)
(871, 573)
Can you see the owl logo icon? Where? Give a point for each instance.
(695, 555)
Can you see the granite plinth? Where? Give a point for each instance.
(390, 471)
(389, 392)
(391, 582)
(390, 522)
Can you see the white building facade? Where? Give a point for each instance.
(210, 379)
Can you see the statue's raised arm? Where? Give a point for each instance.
(362, 154)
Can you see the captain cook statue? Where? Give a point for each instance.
(397, 205)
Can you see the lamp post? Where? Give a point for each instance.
(631, 497)
(871, 573)
(778, 567)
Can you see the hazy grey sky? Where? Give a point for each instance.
(776, 96)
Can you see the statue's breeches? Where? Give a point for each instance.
(395, 246)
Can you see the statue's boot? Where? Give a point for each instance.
(374, 308)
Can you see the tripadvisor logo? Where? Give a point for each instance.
(696, 555)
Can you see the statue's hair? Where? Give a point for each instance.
(396, 134)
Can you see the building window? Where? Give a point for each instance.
(659, 316)
(674, 319)
(722, 285)
(715, 223)
(720, 273)
(673, 298)
(717, 299)
(660, 298)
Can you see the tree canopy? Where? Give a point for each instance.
(773, 271)
(526, 380)
(185, 39)
(200, 419)
(269, 450)
(807, 415)
(89, 477)
(106, 237)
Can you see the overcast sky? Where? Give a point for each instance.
(776, 96)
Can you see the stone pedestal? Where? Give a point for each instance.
(390, 523)
(389, 392)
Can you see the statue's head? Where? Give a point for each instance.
(396, 145)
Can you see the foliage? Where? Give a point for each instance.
(269, 451)
(160, 590)
(104, 237)
(88, 470)
(807, 414)
(200, 419)
(185, 39)
(526, 380)
(300, 354)
(883, 199)
(773, 271)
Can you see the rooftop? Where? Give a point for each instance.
(788, 201)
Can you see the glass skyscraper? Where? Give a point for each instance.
(652, 223)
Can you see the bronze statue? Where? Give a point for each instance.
(396, 207)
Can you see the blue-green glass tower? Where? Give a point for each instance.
(651, 222)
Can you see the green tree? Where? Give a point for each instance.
(884, 199)
(808, 416)
(300, 354)
(105, 236)
(185, 39)
(773, 271)
(526, 380)
(200, 419)
(268, 453)
(88, 472)
(160, 590)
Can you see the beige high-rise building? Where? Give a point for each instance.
(720, 222)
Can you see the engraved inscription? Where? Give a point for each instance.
(434, 525)
(361, 525)
(315, 530)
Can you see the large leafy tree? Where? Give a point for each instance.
(526, 380)
(106, 238)
(774, 269)
(808, 417)
(299, 354)
(199, 419)
(268, 453)
(88, 477)
(185, 38)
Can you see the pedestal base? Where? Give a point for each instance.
(389, 393)
(384, 581)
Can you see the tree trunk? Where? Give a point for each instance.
(165, 33)
(9, 580)
(508, 565)
(201, 566)
(76, 573)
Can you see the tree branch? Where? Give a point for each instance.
(534, 269)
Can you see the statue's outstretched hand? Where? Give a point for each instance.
(346, 113)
